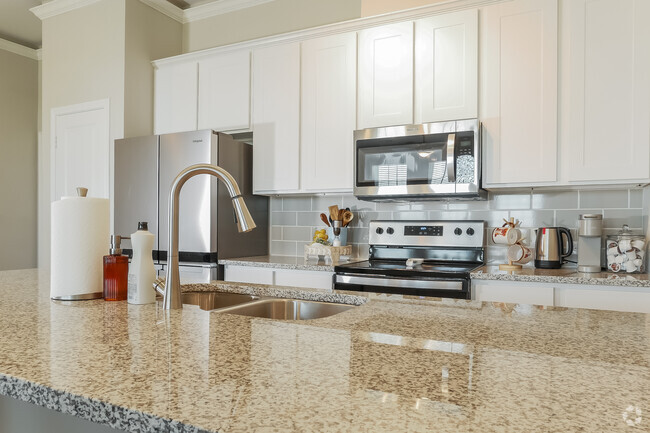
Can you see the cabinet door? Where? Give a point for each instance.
(224, 92)
(519, 92)
(276, 119)
(328, 111)
(308, 279)
(247, 274)
(446, 67)
(386, 76)
(515, 293)
(614, 298)
(175, 98)
(609, 66)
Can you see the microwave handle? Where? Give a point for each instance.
(451, 160)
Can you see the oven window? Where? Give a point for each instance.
(413, 160)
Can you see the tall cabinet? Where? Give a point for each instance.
(608, 94)
(519, 92)
(328, 113)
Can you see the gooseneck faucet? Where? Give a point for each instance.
(170, 289)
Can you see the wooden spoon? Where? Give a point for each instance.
(347, 217)
(334, 212)
(323, 218)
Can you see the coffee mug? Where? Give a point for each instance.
(506, 235)
(520, 254)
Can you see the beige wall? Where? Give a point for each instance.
(276, 17)
(150, 35)
(83, 60)
(18, 164)
(378, 7)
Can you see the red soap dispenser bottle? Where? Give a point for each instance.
(116, 272)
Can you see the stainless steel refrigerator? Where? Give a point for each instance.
(145, 168)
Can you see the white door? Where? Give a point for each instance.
(276, 119)
(81, 149)
(609, 94)
(446, 67)
(386, 76)
(519, 92)
(328, 113)
(224, 92)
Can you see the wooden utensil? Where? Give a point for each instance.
(323, 218)
(334, 212)
(347, 217)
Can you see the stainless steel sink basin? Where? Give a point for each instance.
(287, 309)
(214, 300)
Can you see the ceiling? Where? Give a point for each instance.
(19, 25)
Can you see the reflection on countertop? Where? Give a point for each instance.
(562, 275)
(390, 365)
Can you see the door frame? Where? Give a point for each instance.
(99, 104)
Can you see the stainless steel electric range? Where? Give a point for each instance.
(422, 258)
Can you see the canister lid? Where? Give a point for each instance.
(625, 232)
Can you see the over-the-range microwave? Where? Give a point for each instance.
(429, 161)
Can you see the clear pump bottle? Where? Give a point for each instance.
(116, 272)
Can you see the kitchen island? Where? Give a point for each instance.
(391, 364)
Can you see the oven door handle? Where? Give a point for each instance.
(386, 281)
(451, 161)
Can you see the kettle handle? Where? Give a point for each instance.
(565, 231)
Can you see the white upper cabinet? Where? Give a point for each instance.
(446, 67)
(608, 122)
(519, 93)
(175, 104)
(385, 64)
(276, 118)
(224, 92)
(328, 111)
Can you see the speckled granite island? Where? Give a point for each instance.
(389, 365)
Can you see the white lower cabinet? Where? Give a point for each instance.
(613, 298)
(279, 277)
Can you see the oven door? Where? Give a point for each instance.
(433, 287)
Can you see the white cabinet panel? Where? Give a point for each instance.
(247, 274)
(175, 105)
(385, 76)
(276, 118)
(446, 67)
(632, 299)
(516, 293)
(519, 92)
(328, 113)
(224, 92)
(309, 279)
(609, 63)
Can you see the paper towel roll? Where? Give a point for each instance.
(80, 238)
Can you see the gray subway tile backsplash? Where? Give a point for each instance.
(294, 219)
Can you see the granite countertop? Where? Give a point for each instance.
(281, 262)
(562, 276)
(393, 364)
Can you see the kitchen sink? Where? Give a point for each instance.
(287, 309)
(215, 300)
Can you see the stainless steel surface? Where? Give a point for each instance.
(287, 309)
(448, 238)
(116, 245)
(81, 191)
(589, 242)
(214, 300)
(84, 297)
(408, 283)
(590, 225)
(172, 298)
(136, 185)
(549, 247)
(463, 191)
(451, 158)
(198, 224)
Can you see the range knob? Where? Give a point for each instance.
(470, 231)
(379, 230)
(390, 230)
(458, 231)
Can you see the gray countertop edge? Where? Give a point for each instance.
(562, 279)
(90, 409)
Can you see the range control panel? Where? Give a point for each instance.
(447, 233)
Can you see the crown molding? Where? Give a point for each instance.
(166, 8)
(218, 7)
(58, 7)
(39, 54)
(21, 50)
